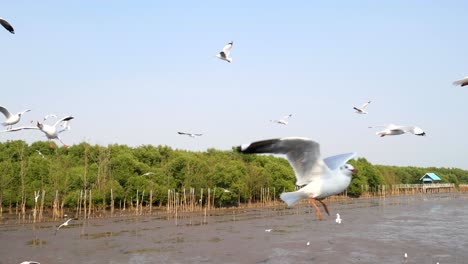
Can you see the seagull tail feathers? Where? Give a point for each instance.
(292, 197)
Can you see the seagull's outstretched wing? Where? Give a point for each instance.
(5, 112)
(334, 162)
(461, 82)
(226, 50)
(18, 129)
(7, 25)
(67, 118)
(183, 133)
(365, 105)
(302, 153)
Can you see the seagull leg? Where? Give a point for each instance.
(64, 145)
(50, 144)
(324, 206)
(319, 215)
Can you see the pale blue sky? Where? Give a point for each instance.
(136, 72)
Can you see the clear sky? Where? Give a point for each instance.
(136, 72)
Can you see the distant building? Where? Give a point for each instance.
(430, 178)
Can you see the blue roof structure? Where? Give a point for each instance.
(429, 177)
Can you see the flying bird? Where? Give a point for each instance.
(7, 25)
(461, 82)
(224, 55)
(64, 224)
(282, 121)
(11, 119)
(392, 129)
(40, 153)
(321, 177)
(190, 134)
(362, 109)
(338, 219)
(51, 131)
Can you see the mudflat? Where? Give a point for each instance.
(429, 228)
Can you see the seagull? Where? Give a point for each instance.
(224, 55)
(64, 224)
(268, 230)
(406, 257)
(40, 153)
(11, 119)
(392, 129)
(308, 243)
(282, 121)
(50, 131)
(321, 177)
(362, 109)
(30, 262)
(190, 134)
(461, 82)
(338, 219)
(7, 25)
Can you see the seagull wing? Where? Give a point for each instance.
(334, 162)
(198, 135)
(183, 133)
(365, 105)
(461, 82)
(28, 110)
(67, 118)
(226, 50)
(303, 154)
(7, 25)
(288, 116)
(5, 112)
(18, 129)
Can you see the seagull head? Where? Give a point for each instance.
(348, 169)
(418, 131)
(39, 125)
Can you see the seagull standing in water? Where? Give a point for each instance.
(11, 119)
(321, 177)
(64, 224)
(7, 25)
(362, 109)
(190, 134)
(392, 130)
(282, 121)
(224, 55)
(50, 131)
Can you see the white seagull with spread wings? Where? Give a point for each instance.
(224, 55)
(392, 130)
(190, 134)
(362, 109)
(321, 177)
(11, 119)
(64, 224)
(50, 131)
(7, 25)
(282, 121)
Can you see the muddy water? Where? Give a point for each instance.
(429, 229)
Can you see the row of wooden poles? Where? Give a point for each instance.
(189, 201)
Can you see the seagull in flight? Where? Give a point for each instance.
(190, 134)
(392, 129)
(362, 109)
(50, 131)
(461, 82)
(64, 224)
(282, 121)
(7, 25)
(40, 153)
(321, 177)
(11, 119)
(224, 55)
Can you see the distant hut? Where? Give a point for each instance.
(429, 178)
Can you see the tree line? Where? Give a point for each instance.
(125, 171)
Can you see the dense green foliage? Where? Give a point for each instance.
(121, 168)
